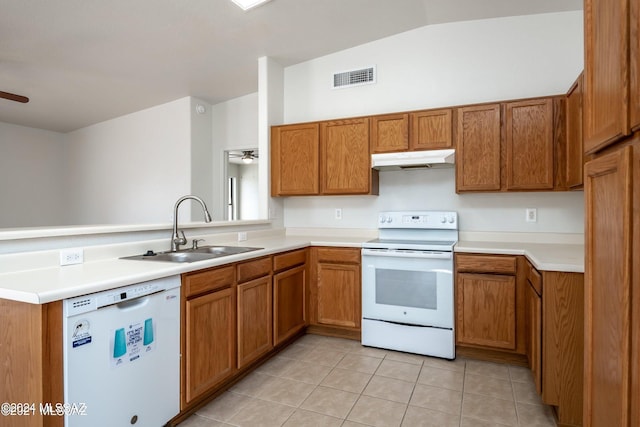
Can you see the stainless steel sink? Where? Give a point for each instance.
(223, 250)
(192, 255)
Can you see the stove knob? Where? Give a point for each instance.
(444, 219)
(389, 219)
(451, 220)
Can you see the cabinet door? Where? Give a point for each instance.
(534, 335)
(606, 73)
(295, 165)
(575, 157)
(529, 141)
(609, 193)
(563, 344)
(478, 148)
(389, 133)
(338, 295)
(254, 320)
(289, 289)
(486, 310)
(346, 159)
(210, 331)
(634, 55)
(431, 130)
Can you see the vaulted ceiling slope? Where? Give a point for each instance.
(85, 61)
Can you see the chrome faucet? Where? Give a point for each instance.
(176, 240)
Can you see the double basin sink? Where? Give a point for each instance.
(191, 255)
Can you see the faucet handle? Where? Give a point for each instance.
(180, 240)
(194, 245)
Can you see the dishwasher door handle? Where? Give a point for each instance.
(132, 304)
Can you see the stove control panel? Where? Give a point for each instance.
(419, 219)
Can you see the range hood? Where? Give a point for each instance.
(413, 159)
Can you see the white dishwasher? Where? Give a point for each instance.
(122, 356)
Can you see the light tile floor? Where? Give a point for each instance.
(322, 381)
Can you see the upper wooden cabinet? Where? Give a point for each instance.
(575, 156)
(418, 130)
(295, 161)
(389, 133)
(529, 143)
(532, 157)
(611, 89)
(478, 148)
(341, 147)
(431, 129)
(346, 159)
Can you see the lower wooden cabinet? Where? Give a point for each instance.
(533, 308)
(486, 310)
(254, 320)
(289, 307)
(336, 288)
(31, 360)
(489, 303)
(563, 344)
(208, 330)
(507, 308)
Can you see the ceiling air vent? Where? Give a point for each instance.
(363, 76)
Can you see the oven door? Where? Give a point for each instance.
(409, 287)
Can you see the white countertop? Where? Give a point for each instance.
(43, 285)
(543, 256)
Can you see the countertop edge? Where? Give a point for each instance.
(84, 278)
(57, 283)
(543, 256)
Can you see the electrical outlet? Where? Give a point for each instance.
(532, 215)
(338, 214)
(71, 256)
(242, 236)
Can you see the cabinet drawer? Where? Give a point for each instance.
(535, 278)
(492, 264)
(341, 255)
(209, 280)
(254, 269)
(289, 259)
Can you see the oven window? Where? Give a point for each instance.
(407, 288)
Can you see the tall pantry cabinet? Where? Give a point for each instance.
(612, 213)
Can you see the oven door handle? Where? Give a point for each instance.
(406, 254)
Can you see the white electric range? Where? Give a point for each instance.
(407, 283)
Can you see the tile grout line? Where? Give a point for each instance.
(363, 389)
(464, 380)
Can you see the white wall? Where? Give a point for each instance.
(32, 165)
(234, 127)
(201, 154)
(132, 169)
(271, 102)
(433, 66)
(441, 65)
(248, 189)
(560, 212)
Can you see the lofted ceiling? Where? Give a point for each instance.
(85, 61)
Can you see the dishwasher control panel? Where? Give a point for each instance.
(95, 301)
